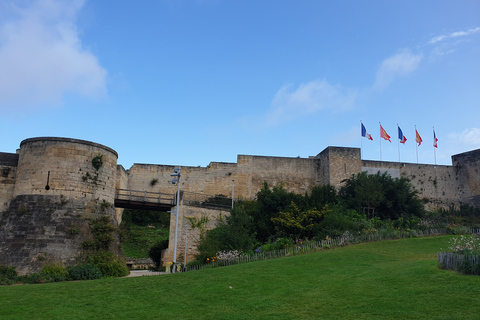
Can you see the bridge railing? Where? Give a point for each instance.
(206, 200)
(144, 196)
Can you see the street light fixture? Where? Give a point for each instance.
(176, 180)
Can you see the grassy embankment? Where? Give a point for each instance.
(381, 280)
(140, 230)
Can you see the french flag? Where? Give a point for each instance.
(401, 137)
(365, 133)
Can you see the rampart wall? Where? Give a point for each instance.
(440, 185)
(247, 175)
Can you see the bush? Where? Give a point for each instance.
(56, 272)
(8, 272)
(108, 263)
(155, 252)
(84, 272)
(339, 220)
(36, 278)
(194, 263)
(8, 275)
(279, 244)
(101, 229)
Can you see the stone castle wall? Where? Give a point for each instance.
(8, 175)
(190, 216)
(441, 186)
(51, 186)
(247, 175)
(438, 185)
(467, 167)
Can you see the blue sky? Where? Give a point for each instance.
(189, 82)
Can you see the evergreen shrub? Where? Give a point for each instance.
(84, 272)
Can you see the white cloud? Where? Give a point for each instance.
(308, 98)
(457, 142)
(400, 64)
(453, 35)
(41, 55)
(466, 140)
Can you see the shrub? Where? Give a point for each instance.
(8, 275)
(101, 229)
(335, 223)
(279, 244)
(84, 272)
(465, 244)
(456, 229)
(36, 278)
(228, 255)
(108, 263)
(56, 272)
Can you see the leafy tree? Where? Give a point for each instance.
(320, 196)
(298, 224)
(269, 203)
(392, 198)
(234, 234)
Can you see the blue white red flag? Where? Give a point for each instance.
(435, 140)
(365, 133)
(401, 137)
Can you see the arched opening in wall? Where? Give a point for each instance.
(141, 230)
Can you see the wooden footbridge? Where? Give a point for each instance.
(144, 200)
(156, 201)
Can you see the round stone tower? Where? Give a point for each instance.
(62, 186)
(67, 167)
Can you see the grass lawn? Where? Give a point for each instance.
(382, 280)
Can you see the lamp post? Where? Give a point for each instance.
(233, 190)
(176, 180)
(185, 255)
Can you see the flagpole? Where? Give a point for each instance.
(361, 141)
(398, 143)
(380, 140)
(434, 151)
(416, 142)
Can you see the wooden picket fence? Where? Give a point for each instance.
(466, 264)
(312, 246)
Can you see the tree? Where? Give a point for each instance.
(392, 198)
(298, 224)
(270, 202)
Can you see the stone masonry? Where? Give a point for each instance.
(50, 186)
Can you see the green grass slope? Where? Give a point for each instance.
(383, 280)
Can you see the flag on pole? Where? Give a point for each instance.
(401, 137)
(418, 138)
(384, 134)
(365, 133)
(435, 140)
